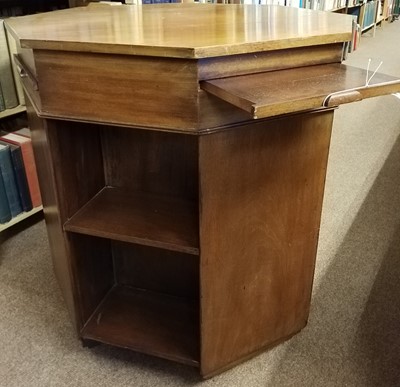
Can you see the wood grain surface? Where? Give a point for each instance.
(199, 249)
(145, 219)
(118, 89)
(51, 207)
(180, 30)
(148, 322)
(157, 270)
(304, 88)
(75, 162)
(227, 66)
(261, 197)
(149, 161)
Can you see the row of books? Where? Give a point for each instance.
(329, 5)
(323, 5)
(369, 14)
(151, 1)
(352, 3)
(19, 186)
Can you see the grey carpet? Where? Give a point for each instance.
(353, 335)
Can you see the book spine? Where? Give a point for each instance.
(29, 163)
(7, 172)
(6, 74)
(31, 174)
(21, 180)
(5, 212)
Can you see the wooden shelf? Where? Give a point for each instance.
(11, 112)
(151, 220)
(368, 27)
(148, 322)
(336, 9)
(19, 218)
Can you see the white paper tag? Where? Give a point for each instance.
(397, 95)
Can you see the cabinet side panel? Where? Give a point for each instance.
(261, 189)
(79, 176)
(70, 170)
(45, 170)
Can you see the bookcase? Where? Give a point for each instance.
(372, 13)
(182, 173)
(396, 9)
(19, 187)
(12, 101)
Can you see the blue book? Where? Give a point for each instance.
(10, 184)
(5, 213)
(20, 176)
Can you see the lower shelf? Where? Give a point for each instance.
(12, 111)
(19, 218)
(147, 322)
(368, 27)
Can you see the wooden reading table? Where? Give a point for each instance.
(182, 152)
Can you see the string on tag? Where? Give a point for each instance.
(368, 80)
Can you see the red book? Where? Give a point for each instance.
(29, 162)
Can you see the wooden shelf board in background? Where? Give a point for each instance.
(367, 27)
(336, 9)
(19, 218)
(151, 220)
(11, 112)
(147, 322)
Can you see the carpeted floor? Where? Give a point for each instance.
(353, 335)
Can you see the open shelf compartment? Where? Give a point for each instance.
(129, 206)
(151, 220)
(151, 323)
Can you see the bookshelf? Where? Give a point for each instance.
(373, 13)
(13, 111)
(13, 101)
(183, 218)
(19, 196)
(395, 9)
